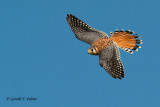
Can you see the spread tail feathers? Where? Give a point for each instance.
(126, 40)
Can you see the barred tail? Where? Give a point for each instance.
(126, 40)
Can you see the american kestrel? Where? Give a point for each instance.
(107, 48)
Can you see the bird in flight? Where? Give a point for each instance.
(107, 48)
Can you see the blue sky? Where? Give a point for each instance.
(40, 56)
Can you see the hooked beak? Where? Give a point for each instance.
(89, 51)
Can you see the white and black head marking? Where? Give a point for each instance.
(93, 50)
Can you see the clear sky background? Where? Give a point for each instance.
(40, 56)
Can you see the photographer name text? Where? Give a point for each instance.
(21, 99)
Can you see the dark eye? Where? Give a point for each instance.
(92, 50)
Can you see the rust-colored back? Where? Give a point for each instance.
(102, 43)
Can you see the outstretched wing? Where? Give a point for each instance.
(83, 31)
(109, 59)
